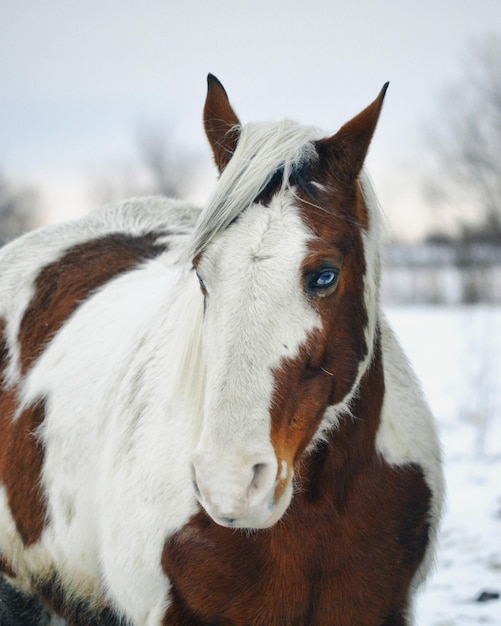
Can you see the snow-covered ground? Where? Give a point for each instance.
(456, 352)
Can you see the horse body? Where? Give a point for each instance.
(81, 408)
(243, 444)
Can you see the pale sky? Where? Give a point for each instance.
(76, 79)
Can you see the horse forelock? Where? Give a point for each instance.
(266, 154)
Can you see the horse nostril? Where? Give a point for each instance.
(263, 478)
(261, 487)
(258, 470)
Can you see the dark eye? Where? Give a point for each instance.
(202, 284)
(323, 280)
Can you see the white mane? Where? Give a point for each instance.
(189, 371)
(262, 149)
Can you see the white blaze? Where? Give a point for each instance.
(256, 314)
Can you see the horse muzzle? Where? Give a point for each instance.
(239, 495)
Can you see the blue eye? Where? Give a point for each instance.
(322, 280)
(326, 278)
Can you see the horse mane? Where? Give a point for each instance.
(262, 150)
(189, 375)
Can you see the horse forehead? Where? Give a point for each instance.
(256, 268)
(263, 237)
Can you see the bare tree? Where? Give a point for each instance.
(162, 168)
(466, 144)
(18, 209)
(171, 168)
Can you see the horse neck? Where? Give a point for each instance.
(350, 447)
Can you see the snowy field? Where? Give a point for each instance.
(456, 352)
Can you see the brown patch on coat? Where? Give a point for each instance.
(62, 285)
(4, 353)
(6, 567)
(21, 457)
(327, 366)
(344, 553)
(21, 463)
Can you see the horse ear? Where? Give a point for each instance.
(220, 122)
(351, 143)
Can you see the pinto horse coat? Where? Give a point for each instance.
(205, 417)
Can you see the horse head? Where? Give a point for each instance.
(286, 254)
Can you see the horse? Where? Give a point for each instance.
(205, 416)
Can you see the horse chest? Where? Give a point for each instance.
(234, 577)
(322, 568)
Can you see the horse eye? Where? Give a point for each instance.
(202, 284)
(326, 278)
(322, 280)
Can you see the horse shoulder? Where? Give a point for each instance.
(407, 435)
